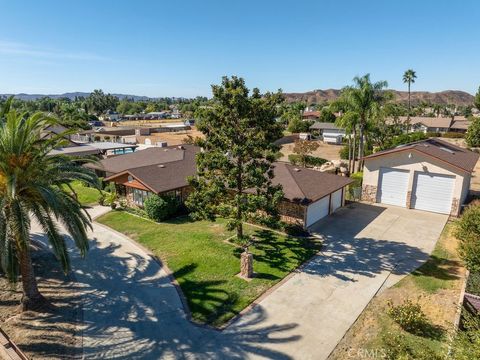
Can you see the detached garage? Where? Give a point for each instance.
(430, 175)
(309, 195)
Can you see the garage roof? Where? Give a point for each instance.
(306, 185)
(449, 153)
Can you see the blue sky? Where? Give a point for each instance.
(179, 48)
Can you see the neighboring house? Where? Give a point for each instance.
(101, 149)
(460, 126)
(430, 175)
(434, 124)
(311, 115)
(110, 115)
(55, 130)
(309, 195)
(330, 133)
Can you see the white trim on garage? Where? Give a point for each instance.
(318, 210)
(337, 198)
(433, 192)
(393, 186)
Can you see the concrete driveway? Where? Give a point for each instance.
(132, 311)
(366, 247)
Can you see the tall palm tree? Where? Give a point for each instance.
(33, 188)
(363, 99)
(409, 77)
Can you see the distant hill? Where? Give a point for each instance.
(316, 96)
(71, 95)
(443, 97)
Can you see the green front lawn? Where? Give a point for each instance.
(86, 195)
(205, 264)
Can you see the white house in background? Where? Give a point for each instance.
(430, 175)
(329, 133)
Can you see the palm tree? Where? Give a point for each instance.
(363, 99)
(409, 77)
(34, 186)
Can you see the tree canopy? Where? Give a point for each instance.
(235, 165)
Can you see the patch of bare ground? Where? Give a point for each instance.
(325, 151)
(436, 286)
(51, 335)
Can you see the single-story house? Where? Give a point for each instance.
(96, 148)
(430, 175)
(435, 124)
(330, 133)
(311, 115)
(460, 126)
(309, 195)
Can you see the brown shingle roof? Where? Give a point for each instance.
(141, 158)
(299, 184)
(454, 155)
(165, 176)
(306, 185)
(431, 122)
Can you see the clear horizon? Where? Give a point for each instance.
(154, 49)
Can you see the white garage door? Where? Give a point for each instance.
(336, 200)
(393, 185)
(317, 210)
(433, 192)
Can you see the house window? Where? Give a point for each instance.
(139, 196)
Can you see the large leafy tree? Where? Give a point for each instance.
(473, 133)
(409, 77)
(34, 187)
(235, 165)
(476, 101)
(362, 103)
(98, 102)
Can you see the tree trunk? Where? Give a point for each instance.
(31, 299)
(240, 199)
(354, 148)
(350, 154)
(409, 108)
(360, 145)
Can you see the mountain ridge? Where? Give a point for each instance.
(445, 97)
(456, 97)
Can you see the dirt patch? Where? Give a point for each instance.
(325, 151)
(53, 335)
(364, 337)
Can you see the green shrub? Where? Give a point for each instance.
(433, 134)
(396, 346)
(468, 232)
(403, 139)
(159, 208)
(408, 315)
(473, 133)
(344, 152)
(309, 159)
(101, 199)
(473, 283)
(453, 135)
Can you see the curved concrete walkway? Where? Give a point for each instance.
(132, 311)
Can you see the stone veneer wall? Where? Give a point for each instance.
(455, 210)
(409, 200)
(291, 213)
(369, 193)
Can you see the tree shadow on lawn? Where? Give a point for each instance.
(132, 311)
(284, 255)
